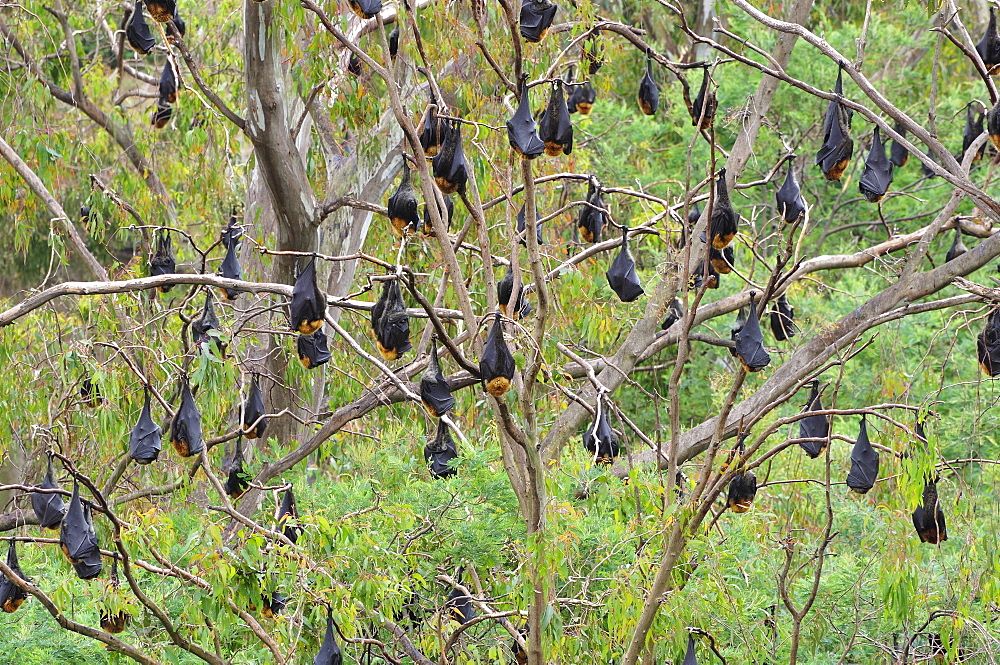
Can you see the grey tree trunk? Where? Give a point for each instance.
(282, 203)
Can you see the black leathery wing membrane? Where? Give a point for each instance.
(522, 225)
(592, 217)
(898, 154)
(440, 451)
(741, 320)
(137, 31)
(723, 261)
(705, 103)
(742, 488)
(988, 345)
(622, 276)
(783, 319)
(90, 392)
(329, 650)
(600, 440)
(459, 604)
(313, 349)
(176, 27)
(254, 422)
(505, 288)
(168, 84)
(750, 342)
(163, 261)
(581, 99)
(723, 224)
(675, 312)
(705, 274)
(814, 427)
(161, 10)
(791, 204)
(835, 153)
(76, 535)
(11, 595)
(231, 268)
(957, 247)
(49, 508)
(162, 115)
(877, 176)
(434, 131)
(89, 567)
(989, 46)
(554, 127)
(928, 518)
(273, 605)
(402, 205)
(286, 512)
(365, 8)
(449, 165)
(536, 19)
(496, 367)
(207, 321)
(237, 480)
(649, 93)
(394, 43)
(993, 125)
(521, 130)
(144, 442)
(435, 392)
(185, 428)
(449, 209)
(864, 463)
(308, 308)
(391, 322)
(689, 655)
(974, 126)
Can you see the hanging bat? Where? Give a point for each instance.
(185, 428)
(440, 452)
(144, 442)
(989, 46)
(722, 226)
(365, 8)
(11, 595)
(814, 427)
(649, 93)
(237, 480)
(536, 19)
(496, 366)
(783, 319)
(312, 349)
(449, 208)
(835, 153)
(329, 650)
(957, 247)
(435, 393)
(449, 165)
(161, 10)
(928, 518)
(163, 262)
(402, 205)
(522, 134)
(49, 508)
(137, 31)
(288, 512)
(592, 217)
(308, 308)
(554, 127)
(254, 422)
(391, 323)
(522, 226)
(864, 463)
(675, 312)
(622, 276)
(877, 176)
(750, 342)
(600, 440)
(505, 288)
(898, 154)
(988, 345)
(791, 204)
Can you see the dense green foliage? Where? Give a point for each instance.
(378, 528)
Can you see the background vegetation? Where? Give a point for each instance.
(378, 530)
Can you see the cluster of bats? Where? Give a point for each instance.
(441, 140)
(79, 543)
